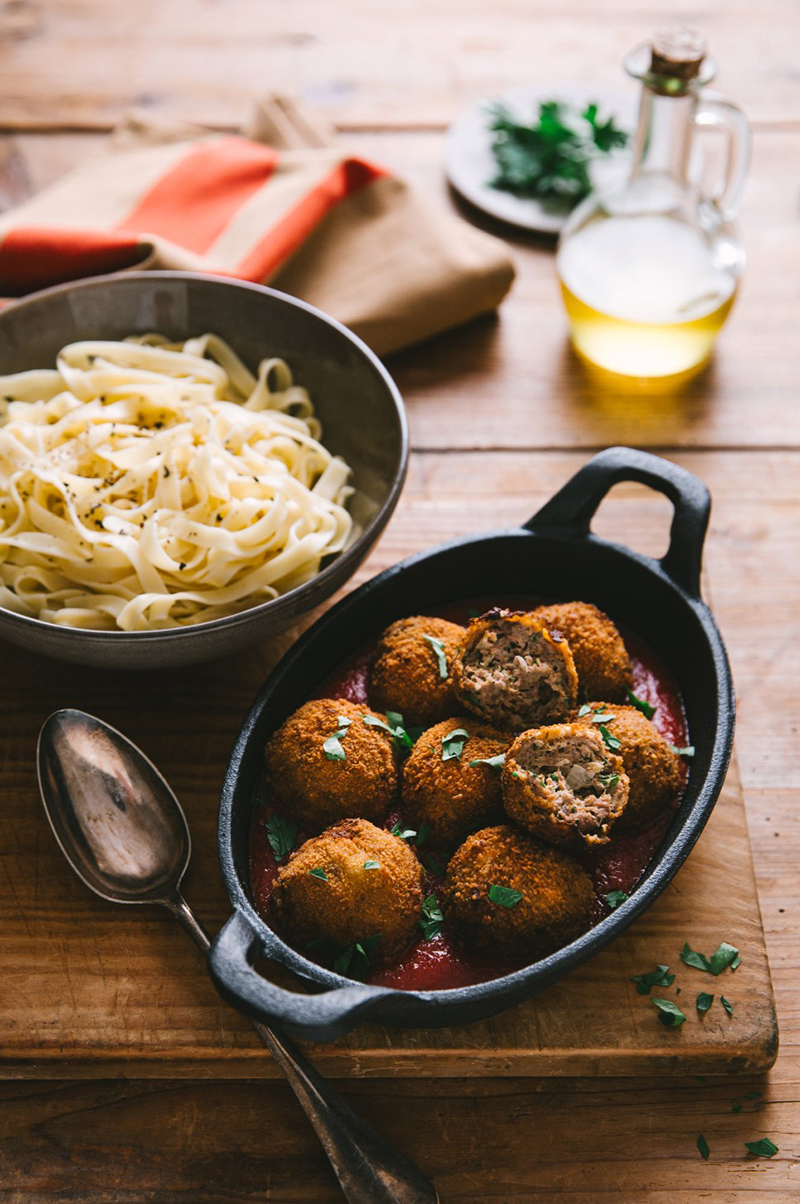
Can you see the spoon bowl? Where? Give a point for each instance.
(118, 823)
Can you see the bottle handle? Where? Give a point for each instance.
(715, 112)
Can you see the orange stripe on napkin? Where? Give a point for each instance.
(193, 203)
(287, 235)
(34, 257)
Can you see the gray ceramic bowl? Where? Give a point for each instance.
(355, 398)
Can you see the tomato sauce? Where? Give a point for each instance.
(438, 964)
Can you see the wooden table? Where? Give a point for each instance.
(500, 415)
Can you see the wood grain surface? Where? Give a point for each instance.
(501, 414)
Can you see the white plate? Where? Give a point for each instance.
(470, 164)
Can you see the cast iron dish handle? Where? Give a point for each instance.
(322, 1016)
(570, 511)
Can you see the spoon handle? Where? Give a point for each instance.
(369, 1169)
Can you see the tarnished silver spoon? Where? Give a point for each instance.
(124, 833)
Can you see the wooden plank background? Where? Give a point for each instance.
(507, 405)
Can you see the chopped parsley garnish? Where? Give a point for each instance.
(506, 896)
(702, 1146)
(438, 648)
(332, 747)
(453, 744)
(432, 918)
(608, 780)
(726, 1004)
(423, 834)
(610, 741)
(683, 752)
(641, 704)
(403, 833)
(615, 897)
(354, 960)
(736, 963)
(704, 1001)
(493, 762)
(722, 957)
(669, 1013)
(431, 864)
(372, 865)
(763, 1148)
(585, 710)
(318, 873)
(282, 834)
(660, 977)
(603, 716)
(404, 738)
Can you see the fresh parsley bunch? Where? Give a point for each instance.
(550, 159)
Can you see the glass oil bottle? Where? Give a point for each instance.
(649, 270)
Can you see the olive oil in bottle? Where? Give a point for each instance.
(649, 271)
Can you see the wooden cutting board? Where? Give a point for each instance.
(89, 989)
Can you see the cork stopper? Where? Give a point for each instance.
(677, 54)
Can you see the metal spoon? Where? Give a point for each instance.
(124, 833)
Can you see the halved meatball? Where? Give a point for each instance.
(513, 672)
(656, 773)
(563, 784)
(332, 890)
(507, 894)
(411, 672)
(454, 795)
(601, 659)
(325, 763)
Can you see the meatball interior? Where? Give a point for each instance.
(513, 672)
(601, 658)
(655, 771)
(454, 795)
(332, 889)
(563, 784)
(316, 776)
(412, 669)
(545, 901)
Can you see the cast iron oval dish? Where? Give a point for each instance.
(658, 600)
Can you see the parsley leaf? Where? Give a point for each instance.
(332, 747)
(683, 752)
(354, 960)
(403, 833)
(722, 957)
(318, 873)
(394, 726)
(438, 648)
(610, 741)
(726, 1004)
(603, 716)
(453, 744)
(423, 834)
(372, 865)
(763, 1148)
(692, 958)
(585, 710)
(702, 1146)
(670, 1014)
(282, 834)
(430, 863)
(660, 977)
(432, 918)
(493, 762)
(615, 897)
(704, 1001)
(641, 704)
(506, 896)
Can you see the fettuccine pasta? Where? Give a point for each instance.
(147, 484)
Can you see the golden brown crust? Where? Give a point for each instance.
(453, 797)
(601, 659)
(316, 791)
(655, 772)
(355, 903)
(513, 672)
(554, 802)
(405, 674)
(557, 895)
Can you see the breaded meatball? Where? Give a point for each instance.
(407, 674)
(511, 671)
(601, 660)
(316, 777)
(454, 796)
(562, 784)
(557, 895)
(655, 772)
(330, 890)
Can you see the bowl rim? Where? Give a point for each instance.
(350, 555)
